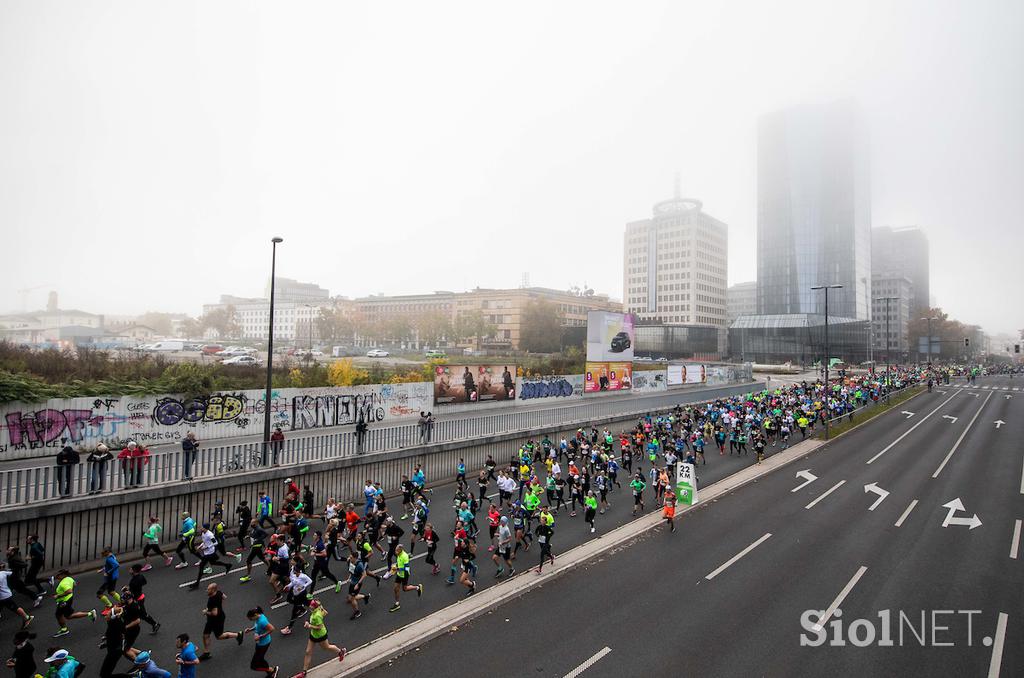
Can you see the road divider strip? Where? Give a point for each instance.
(590, 662)
(1015, 540)
(997, 647)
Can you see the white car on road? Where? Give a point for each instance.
(242, 360)
(377, 353)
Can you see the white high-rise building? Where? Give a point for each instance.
(675, 267)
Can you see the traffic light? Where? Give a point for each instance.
(967, 341)
(1016, 348)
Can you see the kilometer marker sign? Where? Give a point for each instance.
(686, 484)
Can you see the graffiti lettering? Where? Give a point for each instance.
(321, 411)
(557, 388)
(210, 409)
(44, 426)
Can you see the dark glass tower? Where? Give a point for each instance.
(813, 211)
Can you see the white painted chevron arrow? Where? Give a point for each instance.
(999, 423)
(957, 505)
(808, 479)
(952, 420)
(1008, 396)
(909, 414)
(882, 494)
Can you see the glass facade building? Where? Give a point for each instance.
(797, 337)
(813, 212)
(677, 341)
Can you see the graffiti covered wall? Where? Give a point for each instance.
(646, 381)
(569, 386)
(36, 430)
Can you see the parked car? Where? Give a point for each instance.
(242, 360)
(433, 354)
(167, 346)
(643, 359)
(345, 351)
(232, 351)
(211, 349)
(377, 353)
(620, 342)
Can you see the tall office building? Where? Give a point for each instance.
(813, 212)
(675, 267)
(903, 253)
(741, 299)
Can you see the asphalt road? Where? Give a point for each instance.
(179, 609)
(650, 609)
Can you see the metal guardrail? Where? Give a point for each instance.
(37, 484)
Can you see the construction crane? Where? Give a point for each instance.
(24, 294)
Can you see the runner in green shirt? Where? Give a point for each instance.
(151, 543)
(64, 595)
(590, 502)
(318, 636)
(638, 486)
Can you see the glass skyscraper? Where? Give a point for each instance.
(813, 212)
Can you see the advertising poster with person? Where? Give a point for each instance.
(474, 383)
(602, 376)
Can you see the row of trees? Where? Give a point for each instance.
(541, 327)
(949, 332)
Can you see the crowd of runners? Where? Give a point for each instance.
(501, 512)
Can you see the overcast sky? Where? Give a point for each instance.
(148, 151)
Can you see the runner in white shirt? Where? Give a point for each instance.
(299, 588)
(208, 555)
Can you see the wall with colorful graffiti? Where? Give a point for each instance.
(36, 430)
(569, 386)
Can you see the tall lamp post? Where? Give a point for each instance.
(929, 321)
(887, 368)
(827, 350)
(867, 301)
(270, 343)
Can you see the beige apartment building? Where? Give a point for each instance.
(502, 308)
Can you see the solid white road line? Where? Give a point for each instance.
(961, 438)
(910, 430)
(899, 523)
(742, 553)
(1015, 542)
(590, 662)
(839, 599)
(825, 494)
(1022, 479)
(997, 647)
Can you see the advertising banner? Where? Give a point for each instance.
(608, 377)
(473, 383)
(686, 484)
(610, 337)
(686, 374)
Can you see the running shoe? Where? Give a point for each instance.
(147, 567)
(245, 579)
(181, 566)
(395, 608)
(62, 632)
(337, 587)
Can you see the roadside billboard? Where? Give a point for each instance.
(605, 376)
(686, 374)
(473, 383)
(610, 337)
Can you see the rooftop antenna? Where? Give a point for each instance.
(678, 191)
(525, 280)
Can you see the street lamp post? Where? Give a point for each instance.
(827, 351)
(867, 301)
(887, 367)
(270, 345)
(929, 320)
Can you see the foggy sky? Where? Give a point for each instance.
(148, 151)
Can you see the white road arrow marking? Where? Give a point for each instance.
(952, 420)
(957, 505)
(1008, 396)
(808, 479)
(972, 393)
(882, 494)
(998, 423)
(942, 392)
(984, 386)
(909, 414)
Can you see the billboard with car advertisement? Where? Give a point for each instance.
(604, 376)
(610, 337)
(474, 383)
(686, 374)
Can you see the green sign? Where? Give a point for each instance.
(686, 484)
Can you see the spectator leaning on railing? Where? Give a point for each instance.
(97, 461)
(189, 447)
(67, 458)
